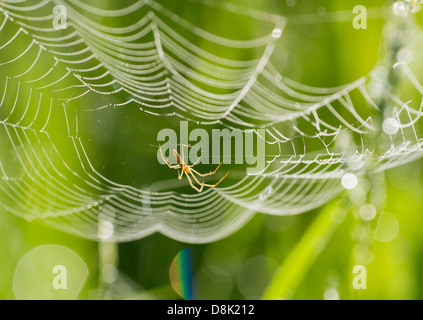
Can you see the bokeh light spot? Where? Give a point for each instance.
(367, 212)
(223, 258)
(331, 294)
(255, 275)
(349, 181)
(387, 228)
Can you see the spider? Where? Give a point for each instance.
(188, 170)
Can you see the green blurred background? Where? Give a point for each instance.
(313, 254)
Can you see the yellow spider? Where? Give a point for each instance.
(188, 170)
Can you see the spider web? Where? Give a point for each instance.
(140, 54)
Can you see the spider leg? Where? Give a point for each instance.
(207, 174)
(182, 152)
(180, 175)
(167, 161)
(183, 157)
(210, 185)
(194, 163)
(195, 178)
(192, 186)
